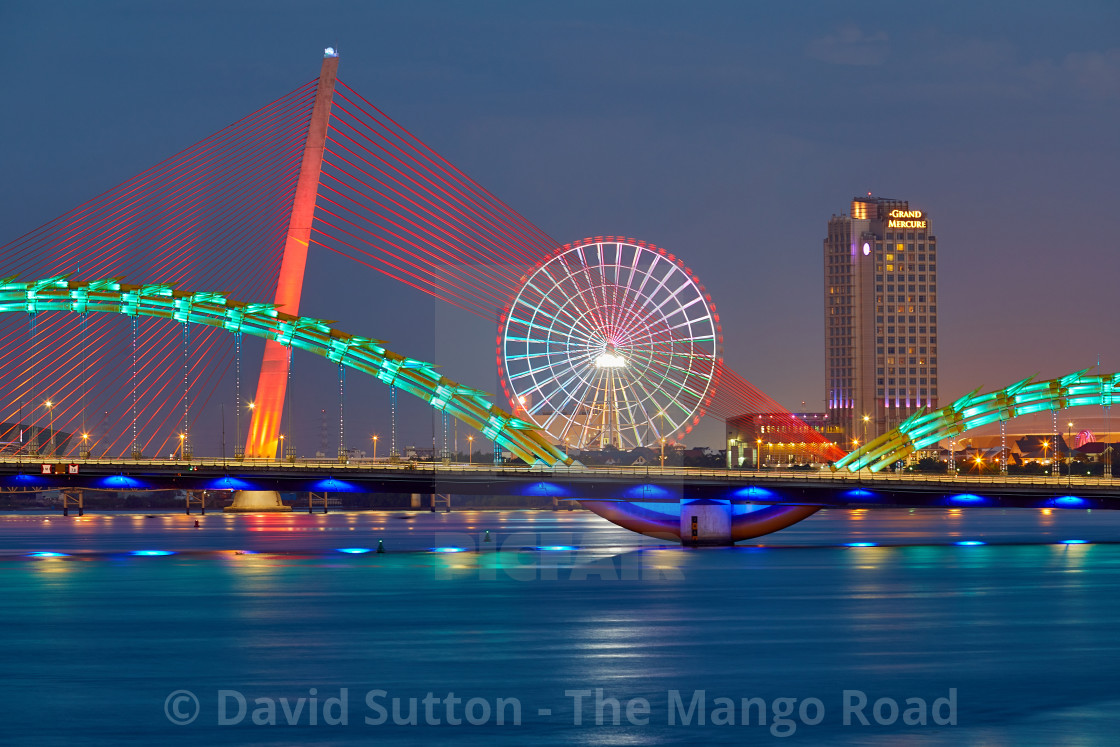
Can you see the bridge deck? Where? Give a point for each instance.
(640, 484)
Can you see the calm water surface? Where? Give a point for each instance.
(1024, 628)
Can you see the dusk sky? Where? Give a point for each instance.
(727, 132)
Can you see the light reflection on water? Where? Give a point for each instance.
(1023, 627)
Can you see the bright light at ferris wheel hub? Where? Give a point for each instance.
(610, 360)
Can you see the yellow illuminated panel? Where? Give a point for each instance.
(906, 219)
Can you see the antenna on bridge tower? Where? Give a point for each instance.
(271, 387)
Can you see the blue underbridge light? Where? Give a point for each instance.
(448, 549)
(967, 499)
(151, 553)
(354, 550)
(47, 555)
(970, 543)
(1074, 542)
(861, 544)
(555, 548)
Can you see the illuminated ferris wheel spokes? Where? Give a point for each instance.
(610, 343)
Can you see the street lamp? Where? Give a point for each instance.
(280, 451)
(1069, 453)
(85, 446)
(758, 451)
(1045, 447)
(375, 448)
(662, 452)
(239, 447)
(50, 406)
(470, 450)
(182, 438)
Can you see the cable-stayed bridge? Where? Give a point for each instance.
(129, 312)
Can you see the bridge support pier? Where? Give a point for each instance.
(256, 502)
(196, 498)
(72, 498)
(706, 522)
(312, 497)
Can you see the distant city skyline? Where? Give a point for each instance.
(714, 131)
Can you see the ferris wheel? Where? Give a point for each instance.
(610, 342)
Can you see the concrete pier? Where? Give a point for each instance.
(255, 502)
(706, 522)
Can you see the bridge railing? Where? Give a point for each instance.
(738, 476)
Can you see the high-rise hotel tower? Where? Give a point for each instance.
(880, 316)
